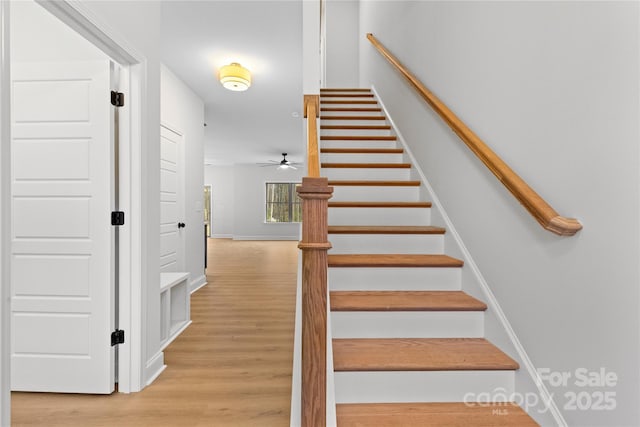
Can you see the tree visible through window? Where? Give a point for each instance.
(283, 203)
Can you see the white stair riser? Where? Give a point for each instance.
(379, 216)
(361, 158)
(407, 324)
(422, 386)
(387, 243)
(358, 144)
(392, 174)
(394, 279)
(370, 193)
(356, 132)
(356, 122)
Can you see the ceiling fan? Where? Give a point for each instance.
(281, 164)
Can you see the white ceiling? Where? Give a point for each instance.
(265, 37)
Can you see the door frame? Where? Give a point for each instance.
(5, 219)
(133, 121)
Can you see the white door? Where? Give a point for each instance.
(171, 201)
(62, 279)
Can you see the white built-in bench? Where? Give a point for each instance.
(175, 306)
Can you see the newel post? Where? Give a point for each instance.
(315, 194)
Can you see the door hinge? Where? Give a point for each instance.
(117, 337)
(117, 218)
(117, 98)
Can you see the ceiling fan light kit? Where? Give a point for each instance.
(283, 164)
(235, 77)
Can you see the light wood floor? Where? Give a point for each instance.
(231, 367)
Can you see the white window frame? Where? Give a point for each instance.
(264, 205)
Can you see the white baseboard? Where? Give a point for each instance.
(197, 283)
(491, 301)
(155, 366)
(174, 336)
(267, 237)
(222, 236)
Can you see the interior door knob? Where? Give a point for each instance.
(181, 225)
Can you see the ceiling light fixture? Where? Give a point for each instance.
(235, 77)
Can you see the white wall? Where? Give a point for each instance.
(222, 182)
(553, 88)
(138, 23)
(240, 213)
(342, 43)
(311, 64)
(30, 21)
(250, 198)
(183, 110)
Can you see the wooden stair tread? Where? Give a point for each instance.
(374, 109)
(419, 354)
(393, 260)
(380, 183)
(348, 89)
(379, 204)
(447, 414)
(367, 165)
(404, 301)
(362, 150)
(385, 229)
(335, 101)
(353, 118)
(358, 138)
(346, 95)
(356, 127)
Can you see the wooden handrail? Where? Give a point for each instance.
(315, 193)
(536, 205)
(311, 109)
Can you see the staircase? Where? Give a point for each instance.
(408, 346)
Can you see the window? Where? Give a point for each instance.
(283, 203)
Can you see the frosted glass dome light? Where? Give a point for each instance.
(235, 77)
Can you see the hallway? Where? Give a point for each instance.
(231, 367)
